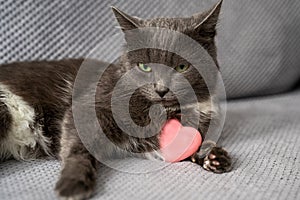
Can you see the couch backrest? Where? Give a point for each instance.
(258, 41)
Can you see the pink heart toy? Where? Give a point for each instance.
(178, 142)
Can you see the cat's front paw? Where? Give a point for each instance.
(217, 161)
(73, 189)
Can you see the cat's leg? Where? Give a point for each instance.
(79, 168)
(217, 159)
(5, 126)
(5, 120)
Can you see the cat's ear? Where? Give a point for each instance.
(126, 21)
(205, 23)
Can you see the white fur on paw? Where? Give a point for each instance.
(23, 137)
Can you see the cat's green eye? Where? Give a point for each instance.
(182, 68)
(144, 67)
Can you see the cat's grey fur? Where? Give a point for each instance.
(44, 89)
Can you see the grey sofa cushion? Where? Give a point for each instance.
(258, 46)
(258, 40)
(262, 134)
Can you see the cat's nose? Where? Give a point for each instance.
(161, 90)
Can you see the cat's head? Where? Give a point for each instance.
(200, 27)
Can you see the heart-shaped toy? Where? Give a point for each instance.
(178, 142)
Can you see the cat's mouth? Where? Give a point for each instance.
(172, 108)
(165, 101)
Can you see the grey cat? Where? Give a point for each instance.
(36, 118)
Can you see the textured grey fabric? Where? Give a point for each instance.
(258, 40)
(263, 136)
(258, 52)
(259, 46)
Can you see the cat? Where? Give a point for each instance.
(36, 116)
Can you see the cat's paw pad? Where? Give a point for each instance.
(217, 161)
(73, 189)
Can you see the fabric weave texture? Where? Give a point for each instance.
(258, 41)
(258, 47)
(263, 136)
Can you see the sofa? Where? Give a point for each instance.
(258, 51)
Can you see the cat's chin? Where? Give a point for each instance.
(165, 102)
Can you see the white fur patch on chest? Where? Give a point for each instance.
(23, 138)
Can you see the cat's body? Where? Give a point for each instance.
(36, 118)
(34, 97)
